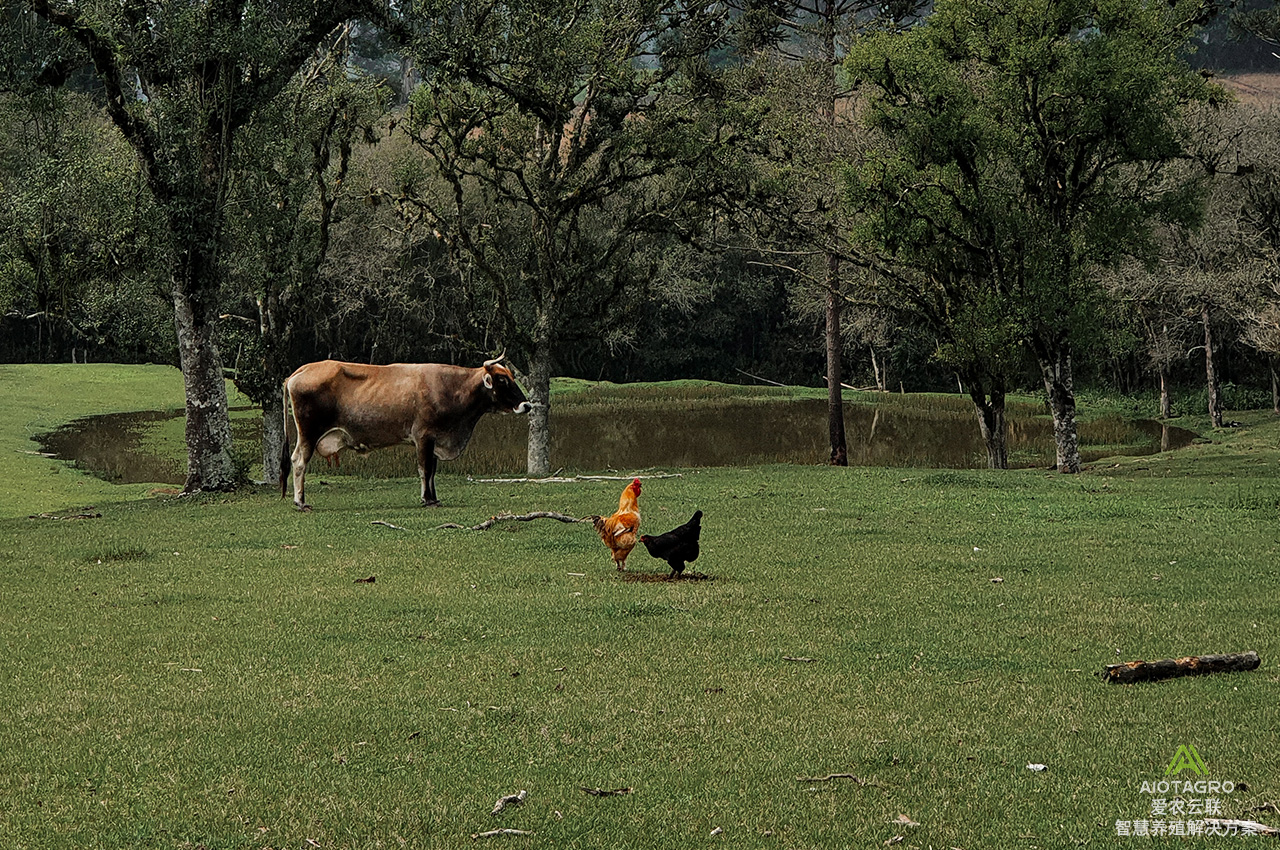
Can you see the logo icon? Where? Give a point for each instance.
(1186, 758)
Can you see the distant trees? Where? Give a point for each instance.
(1256, 186)
(1020, 145)
(76, 235)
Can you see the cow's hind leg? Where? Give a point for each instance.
(301, 455)
(427, 472)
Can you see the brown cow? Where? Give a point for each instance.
(356, 406)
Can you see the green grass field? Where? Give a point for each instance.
(208, 673)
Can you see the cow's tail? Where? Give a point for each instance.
(286, 462)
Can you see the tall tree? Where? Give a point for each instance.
(566, 134)
(180, 81)
(795, 49)
(1255, 183)
(291, 170)
(1023, 143)
(1159, 306)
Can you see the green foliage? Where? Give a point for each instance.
(1019, 148)
(290, 186)
(78, 244)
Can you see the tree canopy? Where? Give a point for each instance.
(1021, 146)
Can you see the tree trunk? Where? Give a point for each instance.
(1055, 367)
(540, 409)
(881, 382)
(273, 428)
(991, 421)
(1211, 373)
(273, 437)
(1166, 401)
(208, 434)
(1275, 387)
(195, 232)
(835, 392)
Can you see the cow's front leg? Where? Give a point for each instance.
(427, 472)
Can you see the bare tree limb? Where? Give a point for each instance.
(494, 833)
(494, 520)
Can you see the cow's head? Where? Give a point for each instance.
(503, 390)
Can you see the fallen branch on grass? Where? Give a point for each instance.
(1169, 668)
(832, 776)
(494, 520)
(494, 833)
(509, 800)
(84, 515)
(388, 525)
(555, 479)
(601, 792)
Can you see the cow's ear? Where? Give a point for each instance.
(488, 381)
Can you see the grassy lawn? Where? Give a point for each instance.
(187, 673)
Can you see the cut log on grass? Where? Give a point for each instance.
(1170, 668)
(494, 520)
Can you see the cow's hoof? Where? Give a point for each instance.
(306, 509)
(431, 503)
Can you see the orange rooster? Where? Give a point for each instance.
(619, 531)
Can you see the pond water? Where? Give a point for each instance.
(676, 434)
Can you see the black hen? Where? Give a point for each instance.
(678, 545)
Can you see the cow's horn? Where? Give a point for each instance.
(495, 361)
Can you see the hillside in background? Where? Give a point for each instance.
(1257, 89)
